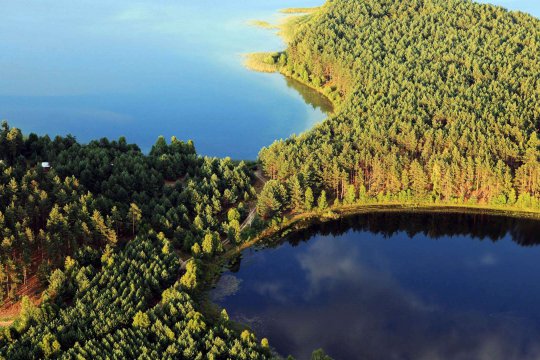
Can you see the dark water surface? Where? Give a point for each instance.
(395, 286)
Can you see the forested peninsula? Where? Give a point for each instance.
(108, 251)
(437, 102)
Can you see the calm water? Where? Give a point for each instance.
(149, 68)
(395, 287)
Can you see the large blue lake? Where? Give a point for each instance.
(149, 68)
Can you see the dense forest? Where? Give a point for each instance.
(103, 226)
(438, 101)
(102, 192)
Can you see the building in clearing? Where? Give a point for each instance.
(46, 166)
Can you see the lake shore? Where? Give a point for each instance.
(296, 223)
(304, 220)
(380, 239)
(262, 61)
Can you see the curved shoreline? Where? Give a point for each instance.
(302, 221)
(254, 61)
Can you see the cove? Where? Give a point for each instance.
(149, 68)
(394, 286)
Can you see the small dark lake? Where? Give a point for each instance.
(395, 286)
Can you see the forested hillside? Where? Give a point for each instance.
(99, 193)
(123, 305)
(438, 101)
(104, 227)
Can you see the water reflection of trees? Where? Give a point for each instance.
(525, 232)
(310, 96)
(434, 225)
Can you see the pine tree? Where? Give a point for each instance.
(308, 199)
(135, 215)
(208, 244)
(418, 177)
(141, 320)
(297, 196)
(350, 196)
(322, 203)
(272, 200)
(233, 214)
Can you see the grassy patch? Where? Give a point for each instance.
(263, 24)
(261, 62)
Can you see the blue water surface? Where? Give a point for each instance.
(148, 68)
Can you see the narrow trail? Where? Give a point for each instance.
(247, 221)
(259, 175)
(183, 263)
(253, 208)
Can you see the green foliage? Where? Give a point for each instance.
(319, 354)
(103, 300)
(196, 250)
(322, 204)
(29, 313)
(350, 196)
(135, 215)
(189, 279)
(208, 244)
(436, 101)
(56, 283)
(309, 199)
(133, 309)
(49, 345)
(272, 200)
(233, 214)
(297, 195)
(141, 320)
(224, 316)
(98, 193)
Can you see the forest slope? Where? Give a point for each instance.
(438, 102)
(104, 227)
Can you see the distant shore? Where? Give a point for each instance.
(268, 62)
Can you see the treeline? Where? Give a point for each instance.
(438, 102)
(435, 225)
